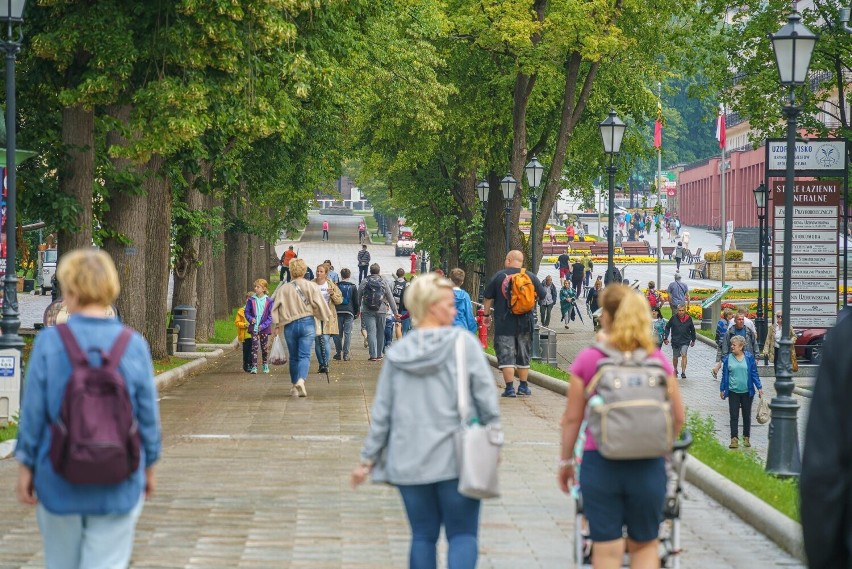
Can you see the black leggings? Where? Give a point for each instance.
(737, 401)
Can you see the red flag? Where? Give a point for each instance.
(658, 127)
(720, 127)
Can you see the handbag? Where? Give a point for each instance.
(477, 445)
(793, 359)
(762, 415)
(277, 355)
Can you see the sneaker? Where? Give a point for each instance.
(524, 389)
(323, 369)
(265, 368)
(509, 392)
(345, 357)
(300, 387)
(253, 370)
(746, 442)
(293, 391)
(735, 443)
(336, 357)
(683, 375)
(366, 344)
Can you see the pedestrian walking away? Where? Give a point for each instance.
(326, 329)
(362, 231)
(347, 311)
(259, 317)
(682, 332)
(588, 265)
(567, 301)
(655, 299)
(363, 263)
(88, 501)
(513, 293)
(593, 296)
(464, 306)
(678, 293)
(374, 294)
(563, 263)
(243, 335)
(620, 492)
(295, 305)
(288, 256)
(399, 286)
(678, 254)
(824, 484)
(739, 382)
(325, 230)
(548, 301)
(578, 272)
(414, 421)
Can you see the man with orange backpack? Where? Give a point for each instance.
(513, 294)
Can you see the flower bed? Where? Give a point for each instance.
(620, 260)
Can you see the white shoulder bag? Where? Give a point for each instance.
(477, 445)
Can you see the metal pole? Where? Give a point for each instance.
(659, 201)
(722, 215)
(506, 212)
(610, 252)
(766, 270)
(783, 457)
(11, 322)
(533, 232)
(485, 238)
(760, 322)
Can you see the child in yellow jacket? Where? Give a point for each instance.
(243, 334)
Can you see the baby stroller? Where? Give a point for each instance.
(669, 536)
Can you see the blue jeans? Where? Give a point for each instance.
(430, 506)
(300, 337)
(343, 338)
(389, 324)
(406, 325)
(88, 542)
(374, 322)
(322, 348)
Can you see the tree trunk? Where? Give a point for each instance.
(126, 219)
(186, 261)
(222, 308)
(157, 256)
(235, 255)
(77, 174)
(205, 284)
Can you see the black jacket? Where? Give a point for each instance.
(825, 485)
(683, 333)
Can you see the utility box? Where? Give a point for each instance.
(10, 385)
(183, 316)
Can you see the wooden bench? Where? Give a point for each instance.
(668, 252)
(635, 248)
(698, 271)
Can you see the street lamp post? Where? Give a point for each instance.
(760, 321)
(793, 45)
(534, 169)
(482, 190)
(612, 132)
(508, 185)
(11, 12)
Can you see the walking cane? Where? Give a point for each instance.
(322, 352)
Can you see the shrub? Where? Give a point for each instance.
(716, 256)
(694, 311)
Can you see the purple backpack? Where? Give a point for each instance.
(96, 438)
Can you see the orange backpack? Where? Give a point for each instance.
(519, 292)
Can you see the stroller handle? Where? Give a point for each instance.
(684, 441)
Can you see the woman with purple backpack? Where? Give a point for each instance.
(87, 504)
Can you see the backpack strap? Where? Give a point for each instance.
(75, 354)
(111, 360)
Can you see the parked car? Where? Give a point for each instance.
(809, 344)
(46, 269)
(406, 232)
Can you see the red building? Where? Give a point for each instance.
(698, 201)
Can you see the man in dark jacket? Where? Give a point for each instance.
(825, 485)
(363, 263)
(347, 311)
(578, 271)
(740, 329)
(682, 332)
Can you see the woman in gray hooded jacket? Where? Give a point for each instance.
(414, 421)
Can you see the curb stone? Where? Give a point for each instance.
(783, 531)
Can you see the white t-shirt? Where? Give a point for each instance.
(324, 290)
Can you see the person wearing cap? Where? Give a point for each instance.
(678, 293)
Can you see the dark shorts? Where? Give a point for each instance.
(678, 351)
(513, 351)
(618, 493)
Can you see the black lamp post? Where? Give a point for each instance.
(482, 189)
(508, 185)
(793, 46)
(534, 169)
(11, 12)
(760, 321)
(612, 133)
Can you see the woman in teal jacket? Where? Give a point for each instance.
(739, 381)
(567, 299)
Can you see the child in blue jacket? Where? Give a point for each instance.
(464, 306)
(259, 317)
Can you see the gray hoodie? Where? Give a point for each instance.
(415, 412)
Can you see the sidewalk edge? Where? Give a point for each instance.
(783, 531)
(170, 378)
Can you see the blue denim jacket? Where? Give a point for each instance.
(47, 375)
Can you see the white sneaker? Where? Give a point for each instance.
(300, 387)
(293, 391)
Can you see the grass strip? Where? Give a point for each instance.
(546, 369)
(167, 363)
(9, 432)
(742, 467)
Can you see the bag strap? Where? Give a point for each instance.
(111, 360)
(302, 294)
(461, 379)
(75, 354)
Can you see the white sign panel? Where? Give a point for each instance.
(810, 284)
(826, 155)
(825, 248)
(813, 321)
(826, 296)
(810, 236)
(809, 223)
(829, 212)
(814, 309)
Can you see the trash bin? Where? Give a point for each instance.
(183, 316)
(547, 343)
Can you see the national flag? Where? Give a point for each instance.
(720, 127)
(658, 127)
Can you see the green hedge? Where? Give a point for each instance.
(716, 256)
